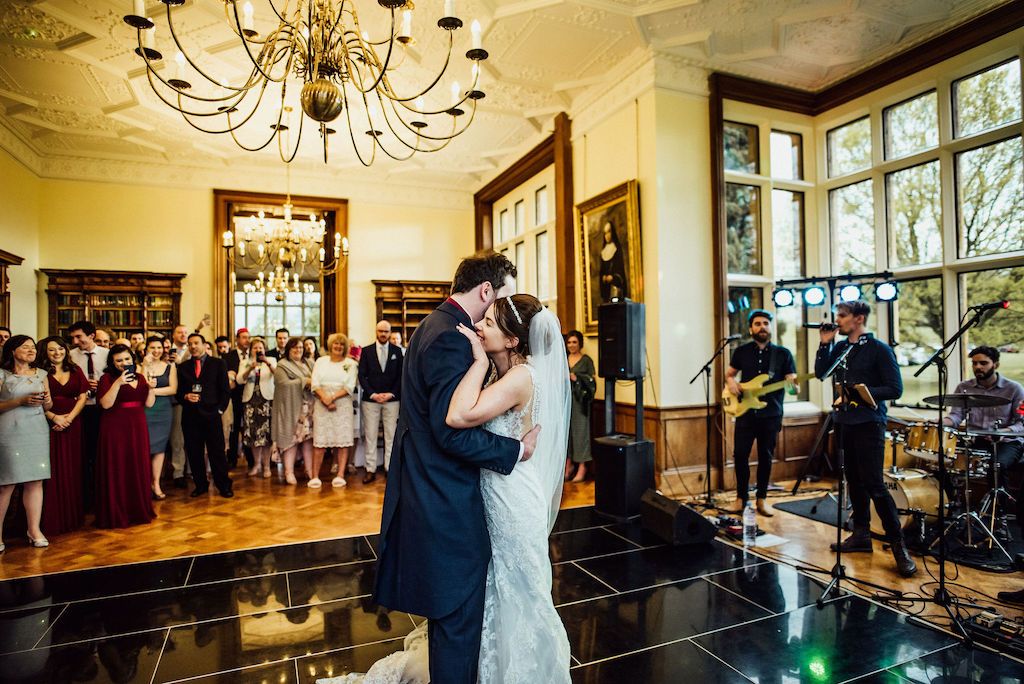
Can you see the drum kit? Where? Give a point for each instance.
(970, 468)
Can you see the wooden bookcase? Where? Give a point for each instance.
(119, 300)
(404, 303)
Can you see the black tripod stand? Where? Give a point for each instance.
(942, 597)
(833, 590)
(706, 372)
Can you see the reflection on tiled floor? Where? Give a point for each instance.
(635, 610)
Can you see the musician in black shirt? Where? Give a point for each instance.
(757, 357)
(871, 374)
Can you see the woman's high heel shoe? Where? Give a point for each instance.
(40, 543)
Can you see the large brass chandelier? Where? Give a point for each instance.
(341, 68)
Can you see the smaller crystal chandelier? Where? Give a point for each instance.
(284, 251)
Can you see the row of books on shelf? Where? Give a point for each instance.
(116, 318)
(80, 300)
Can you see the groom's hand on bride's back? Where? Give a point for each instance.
(530, 442)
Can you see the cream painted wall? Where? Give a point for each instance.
(91, 225)
(660, 139)
(19, 234)
(400, 243)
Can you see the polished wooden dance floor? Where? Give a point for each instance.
(273, 586)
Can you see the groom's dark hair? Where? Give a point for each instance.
(488, 267)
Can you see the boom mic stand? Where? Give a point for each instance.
(838, 572)
(706, 372)
(942, 597)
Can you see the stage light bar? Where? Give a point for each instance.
(887, 291)
(783, 296)
(849, 293)
(814, 295)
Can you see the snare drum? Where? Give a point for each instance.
(923, 442)
(903, 459)
(911, 489)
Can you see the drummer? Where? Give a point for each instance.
(1009, 451)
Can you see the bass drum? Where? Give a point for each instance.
(911, 489)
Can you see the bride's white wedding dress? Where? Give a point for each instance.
(523, 639)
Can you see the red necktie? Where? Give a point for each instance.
(199, 368)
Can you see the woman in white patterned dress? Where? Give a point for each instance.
(334, 382)
(523, 639)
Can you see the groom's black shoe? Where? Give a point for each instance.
(369, 477)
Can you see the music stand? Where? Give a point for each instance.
(706, 372)
(838, 571)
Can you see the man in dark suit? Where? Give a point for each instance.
(204, 393)
(434, 547)
(380, 376)
(234, 359)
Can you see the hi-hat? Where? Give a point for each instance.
(966, 400)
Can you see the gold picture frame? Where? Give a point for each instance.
(611, 264)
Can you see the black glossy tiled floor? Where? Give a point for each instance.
(635, 611)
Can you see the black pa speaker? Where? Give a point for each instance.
(620, 338)
(624, 468)
(674, 522)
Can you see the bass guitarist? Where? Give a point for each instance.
(757, 357)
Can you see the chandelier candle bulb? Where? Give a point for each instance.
(260, 250)
(449, 8)
(139, 8)
(455, 93)
(228, 238)
(247, 16)
(344, 249)
(179, 66)
(477, 38)
(323, 255)
(337, 238)
(149, 38)
(406, 24)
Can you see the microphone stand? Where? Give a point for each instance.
(838, 571)
(942, 597)
(706, 372)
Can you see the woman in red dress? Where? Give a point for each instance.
(62, 500)
(123, 496)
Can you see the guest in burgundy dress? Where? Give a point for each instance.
(123, 474)
(63, 509)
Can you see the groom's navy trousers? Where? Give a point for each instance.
(434, 548)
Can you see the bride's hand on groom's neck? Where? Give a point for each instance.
(530, 442)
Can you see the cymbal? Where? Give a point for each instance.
(971, 432)
(966, 400)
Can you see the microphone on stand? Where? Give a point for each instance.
(732, 338)
(1001, 304)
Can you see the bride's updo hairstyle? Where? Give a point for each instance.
(527, 306)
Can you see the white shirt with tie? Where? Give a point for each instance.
(99, 364)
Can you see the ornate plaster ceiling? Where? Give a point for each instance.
(71, 87)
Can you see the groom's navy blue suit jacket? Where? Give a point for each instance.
(434, 547)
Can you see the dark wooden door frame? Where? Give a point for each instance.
(334, 297)
(555, 150)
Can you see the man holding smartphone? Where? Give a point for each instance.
(204, 394)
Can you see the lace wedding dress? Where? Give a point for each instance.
(523, 639)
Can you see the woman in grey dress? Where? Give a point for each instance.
(292, 411)
(24, 433)
(583, 385)
(159, 375)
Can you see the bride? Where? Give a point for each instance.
(523, 639)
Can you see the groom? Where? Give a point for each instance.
(434, 548)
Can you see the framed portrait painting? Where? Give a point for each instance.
(610, 249)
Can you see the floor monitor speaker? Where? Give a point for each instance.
(674, 522)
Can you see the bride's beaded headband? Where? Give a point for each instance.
(514, 311)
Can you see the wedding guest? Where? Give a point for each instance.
(124, 342)
(380, 376)
(204, 394)
(24, 434)
(234, 361)
(123, 472)
(396, 339)
(222, 347)
(136, 338)
(281, 335)
(292, 410)
(69, 388)
(177, 354)
(583, 384)
(5, 334)
(91, 358)
(333, 383)
(162, 376)
(104, 336)
(312, 349)
(256, 378)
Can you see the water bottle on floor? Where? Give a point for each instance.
(749, 525)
